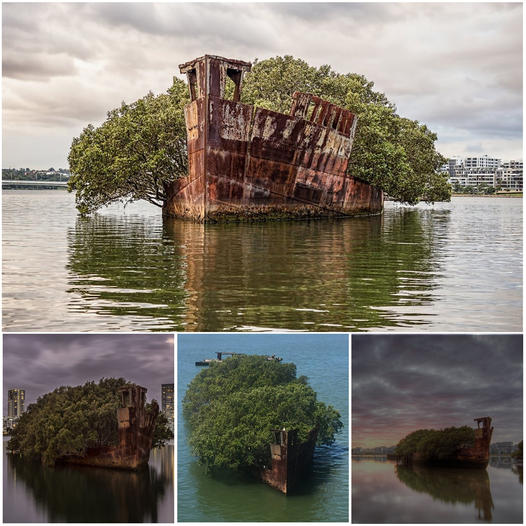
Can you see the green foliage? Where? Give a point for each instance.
(434, 444)
(70, 419)
(517, 454)
(135, 154)
(232, 406)
(391, 152)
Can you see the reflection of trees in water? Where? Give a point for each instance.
(88, 494)
(123, 266)
(451, 485)
(517, 469)
(316, 275)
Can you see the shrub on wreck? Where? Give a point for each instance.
(141, 147)
(232, 407)
(69, 420)
(436, 445)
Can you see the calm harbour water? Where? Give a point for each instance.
(36, 493)
(449, 267)
(324, 495)
(385, 493)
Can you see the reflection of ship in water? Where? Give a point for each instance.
(451, 485)
(69, 493)
(314, 275)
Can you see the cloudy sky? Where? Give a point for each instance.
(456, 67)
(39, 363)
(401, 383)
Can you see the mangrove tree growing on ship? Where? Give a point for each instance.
(232, 407)
(436, 445)
(141, 147)
(69, 420)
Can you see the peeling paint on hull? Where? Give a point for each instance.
(249, 163)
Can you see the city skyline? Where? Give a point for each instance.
(466, 86)
(40, 363)
(401, 383)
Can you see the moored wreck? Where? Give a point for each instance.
(252, 163)
(291, 459)
(135, 434)
(475, 455)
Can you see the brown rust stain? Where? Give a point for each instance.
(290, 459)
(254, 163)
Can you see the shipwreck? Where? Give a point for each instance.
(247, 163)
(291, 459)
(470, 456)
(135, 435)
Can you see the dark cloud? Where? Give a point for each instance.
(40, 363)
(405, 382)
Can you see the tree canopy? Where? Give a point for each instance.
(434, 444)
(232, 407)
(141, 147)
(69, 420)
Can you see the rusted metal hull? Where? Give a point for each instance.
(290, 460)
(252, 163)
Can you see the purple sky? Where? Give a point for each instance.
(401, 383)
(455, 66)
(39, 363)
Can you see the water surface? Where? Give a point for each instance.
(37, 493)
(449, 267)
(324, 494)
(385, 493)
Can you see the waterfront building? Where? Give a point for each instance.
(15, 402)
(167, 402)
(502, 448)
(484, 171)
(509, 176)
(9, 424)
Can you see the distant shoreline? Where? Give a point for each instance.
(510, 195)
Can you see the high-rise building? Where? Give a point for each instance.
(15, 402)
(167, 402)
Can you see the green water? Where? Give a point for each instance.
(450, 267)
(324, 494)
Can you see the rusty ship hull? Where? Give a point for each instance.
(135, 436)
(252, 163)
(291, 460)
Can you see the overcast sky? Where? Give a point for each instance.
(401, 383)
(39, 363)
(456, 67)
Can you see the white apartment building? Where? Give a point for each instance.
(484, 163)
(509, 176)
(476, 171)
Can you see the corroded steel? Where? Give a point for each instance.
(135, 428)
(290, 459)
(247, 162)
